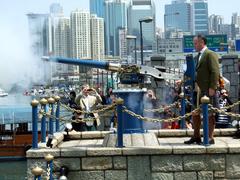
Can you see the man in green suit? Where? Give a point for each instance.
(207, 76)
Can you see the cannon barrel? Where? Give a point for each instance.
(90, 63)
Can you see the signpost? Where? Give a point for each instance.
(217, 43)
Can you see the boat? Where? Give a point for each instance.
(15, 132)
(3, 93)
(15, 140)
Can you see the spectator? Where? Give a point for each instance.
(88, 99)
(151, 102)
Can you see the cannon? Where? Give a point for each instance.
(129, 74)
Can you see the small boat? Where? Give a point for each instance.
(3, 93)
(14, 142)
(15, 132)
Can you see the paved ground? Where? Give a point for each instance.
(166, 141)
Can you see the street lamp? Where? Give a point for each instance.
(146, 19)
(165, 23)
(135, 44)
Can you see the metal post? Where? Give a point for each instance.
(183, 110)
(135, 44)
(51, 102)
(165, 23)
(98, 77)
(107, 80)
(102, 82)
(141, 44)
(112, 80)
(205, 101)
(120, 122)
(57, 99)
(34, 105)
(43, 103)
(49, 158)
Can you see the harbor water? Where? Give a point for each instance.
(14, 107)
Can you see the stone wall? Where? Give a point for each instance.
(143, 163)
(230, 70)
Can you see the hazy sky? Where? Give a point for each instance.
(16, 62)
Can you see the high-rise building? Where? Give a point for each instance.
(62, 43)
(115, 18)
(235, 25)
(236, 19)
(80, 34)
(215, 24)
(123, 43)
(56, 9)
(97, 7)
(199, 17)
(97, 37)
(137, 10)
(177, 17)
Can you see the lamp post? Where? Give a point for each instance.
(146, 19)
(165, 23)
(135, 44)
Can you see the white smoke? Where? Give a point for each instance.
(18, 67)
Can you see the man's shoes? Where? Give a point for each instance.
(193, 140)
(211, 141)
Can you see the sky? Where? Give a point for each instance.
(16, 62)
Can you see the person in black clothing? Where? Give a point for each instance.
(223, 121)
(77, 124)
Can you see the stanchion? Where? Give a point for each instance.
(49, 158)
(205, 101)
(120, 122)
(183, 110)
(57, 99)
(43, 103)
(51, 102)
(37, 172)
(34, 105)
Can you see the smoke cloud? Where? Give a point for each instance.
(18, 67)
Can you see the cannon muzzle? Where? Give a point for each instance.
(83, 62)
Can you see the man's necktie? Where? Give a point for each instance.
(198, 58)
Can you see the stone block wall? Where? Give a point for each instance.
(230, 70)
(170, 162)
(131, 164)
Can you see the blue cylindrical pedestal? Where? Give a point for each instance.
(133, 100)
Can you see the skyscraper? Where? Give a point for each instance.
(215, 24)
(97, 7)
(139, 9)
(177, 17)
(115, 19)
(80, 34)
(199, 16)
(62, 43)
(56, 9)
(97, 37)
